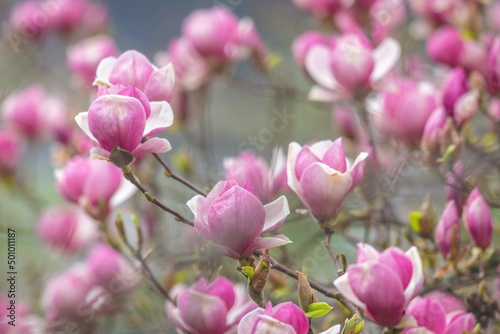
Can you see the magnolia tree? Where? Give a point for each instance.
(153, 231)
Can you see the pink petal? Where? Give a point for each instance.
(291, 314)
(427, 313)
(342, 284)
(395, 259)
(385, 304)
(323, 190)
(333, 330)
(334, 157)
(153, 145)
(317, 64)
(417, 278)
(236, 219)
(318, 93)
(160, 86)
(202, 313)
(267, 243)
(275, 214)
(160, 119)
(366, 252)
(132, 68)
(304, 159)
(223, 289)
(249, 321)
(386, 55)
(117, 120)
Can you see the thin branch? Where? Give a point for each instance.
(131, 177)
(150, 277)
(328, 245)
(177, 177)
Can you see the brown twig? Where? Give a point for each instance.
(131, 177)
(177, 177)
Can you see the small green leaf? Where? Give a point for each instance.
(415, 221)
(264, 265)
(359, 327)
(447, 153)
(248, 271)
(316, 310)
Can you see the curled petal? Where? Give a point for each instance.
(417, 278)
(132, 68)
(318, 66)
(99, 153)
(267, 243)
(160, 119)
(275, 213)
(386, 55)
(160, 86)
(82, 119)
(103, 72)
(154, 145)
(293, 152)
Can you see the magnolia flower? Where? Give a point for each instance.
(285, 318)
(349, 67)
(12, 149)
(448, 232)
(94, 184)
(322, 176)
(23, 111)
(122, 117)
(266, 180)
(477, 220)
(234, 218)
(214, 308)
(432, 318)
(382, 284)
(84, 57)
(132, 68)
(69, 229)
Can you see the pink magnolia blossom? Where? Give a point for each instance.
(436, 11)
(432, 318)
(321, 175)
(449, 302)
(29, 19)
(477, 220)
(403, 108)
(455, 86)
(93, 184)
(267, 181)
(23, 111)
(214, 308)
(122, 117)
(66, 295)
(132, 68)
(12, 149)
(349, 67)
(69, 229)
(191, 69)
(84, 57)
(220, 37)
(233, 217)
(285, 318)
(448, 232)
(109, 270)
(434, 126)
(446, 46)
(382, 284)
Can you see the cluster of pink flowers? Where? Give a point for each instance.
(33, 18)
(392, 109)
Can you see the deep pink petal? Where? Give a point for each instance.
(395, 259)
(117, 120)
(160, 86)
(132, 68)
(304, 159)
(385, 303)
(323, 190)
(236, 219)
(202, 313)
(223, 289)
(154, 145)
(335, 157)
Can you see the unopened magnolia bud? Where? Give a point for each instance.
(120, 227)
(427, 219)
(306, 294)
